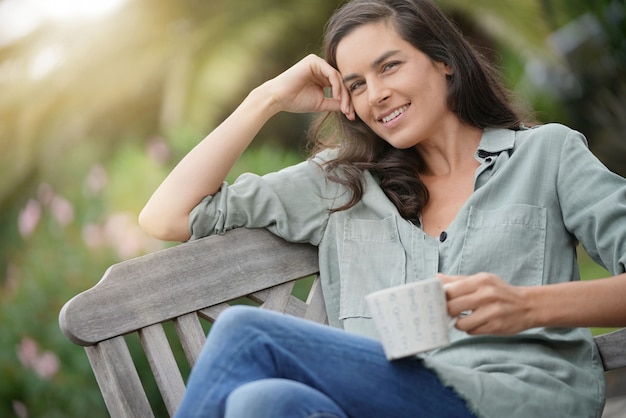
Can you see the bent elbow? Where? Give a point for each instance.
(150, 225)
(163, 229)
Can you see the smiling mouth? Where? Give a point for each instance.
(394, 114)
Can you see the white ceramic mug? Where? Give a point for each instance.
(411, 318)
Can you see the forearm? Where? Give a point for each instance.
(202, 171)
(499, 308)
(594, 303)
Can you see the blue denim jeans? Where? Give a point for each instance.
(262, 364)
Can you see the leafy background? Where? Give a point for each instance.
(98, 101)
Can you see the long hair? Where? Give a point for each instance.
(475, 94)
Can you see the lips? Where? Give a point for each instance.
(391, 116)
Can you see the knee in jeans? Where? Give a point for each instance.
(237, 318)
(279, 398)
(250, 396)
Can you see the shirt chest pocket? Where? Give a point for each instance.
(508, 241)
(372, 258)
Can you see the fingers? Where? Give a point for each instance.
(328, 76)
(494, 319)
(486, 304)
(459, 293)
(470, 293)
(457, 286)
(303, 88)
(447, 279)
(339, 91)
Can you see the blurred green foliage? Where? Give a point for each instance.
(86, 138)
(42, 371)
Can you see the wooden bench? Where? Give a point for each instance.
(186, 284)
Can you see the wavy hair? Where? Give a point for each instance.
(475, 94)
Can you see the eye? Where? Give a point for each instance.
(355, 86)
(390, 65)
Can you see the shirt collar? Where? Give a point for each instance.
(494, 141)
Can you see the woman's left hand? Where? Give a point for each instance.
(495, 307)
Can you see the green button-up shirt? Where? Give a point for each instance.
(537, 193)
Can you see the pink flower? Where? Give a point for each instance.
(20, 409)
(27, 352)
(62, 210)
(93, 236)
(120, 232)
(46, 364)
(29, 218)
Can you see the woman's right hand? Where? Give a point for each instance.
(302, 88)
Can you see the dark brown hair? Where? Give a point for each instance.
(475, 94)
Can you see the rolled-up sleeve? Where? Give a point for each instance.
(207, 218)
(293, 203)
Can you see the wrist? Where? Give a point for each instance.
(262, 99)
(538, 310)
(552, 305)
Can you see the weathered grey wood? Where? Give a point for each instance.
(612, 348)
(180, 284)
(278, 297)
(191, 336)
(118, 380)
(163, 365)
(202, 273)
(212, 312)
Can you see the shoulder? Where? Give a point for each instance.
(324, 156)
(540, 141)
(547, 143)
(550, 134)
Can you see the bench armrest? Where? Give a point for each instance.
(612, 348)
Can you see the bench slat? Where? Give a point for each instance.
(163, 365)
(212, 312)
(191, 336)
(118, 380)
(278, 297)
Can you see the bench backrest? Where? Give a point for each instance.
(186, 284)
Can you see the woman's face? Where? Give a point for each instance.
(397, 90)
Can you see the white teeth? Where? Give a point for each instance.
(395, 114)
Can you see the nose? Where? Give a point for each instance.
(377, 92)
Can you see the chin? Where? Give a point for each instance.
(401, 144)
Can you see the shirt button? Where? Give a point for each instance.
(443, 236)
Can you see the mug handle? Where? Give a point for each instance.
(452, 322)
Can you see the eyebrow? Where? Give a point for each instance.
(374, 64)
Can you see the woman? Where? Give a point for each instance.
(425, 168)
